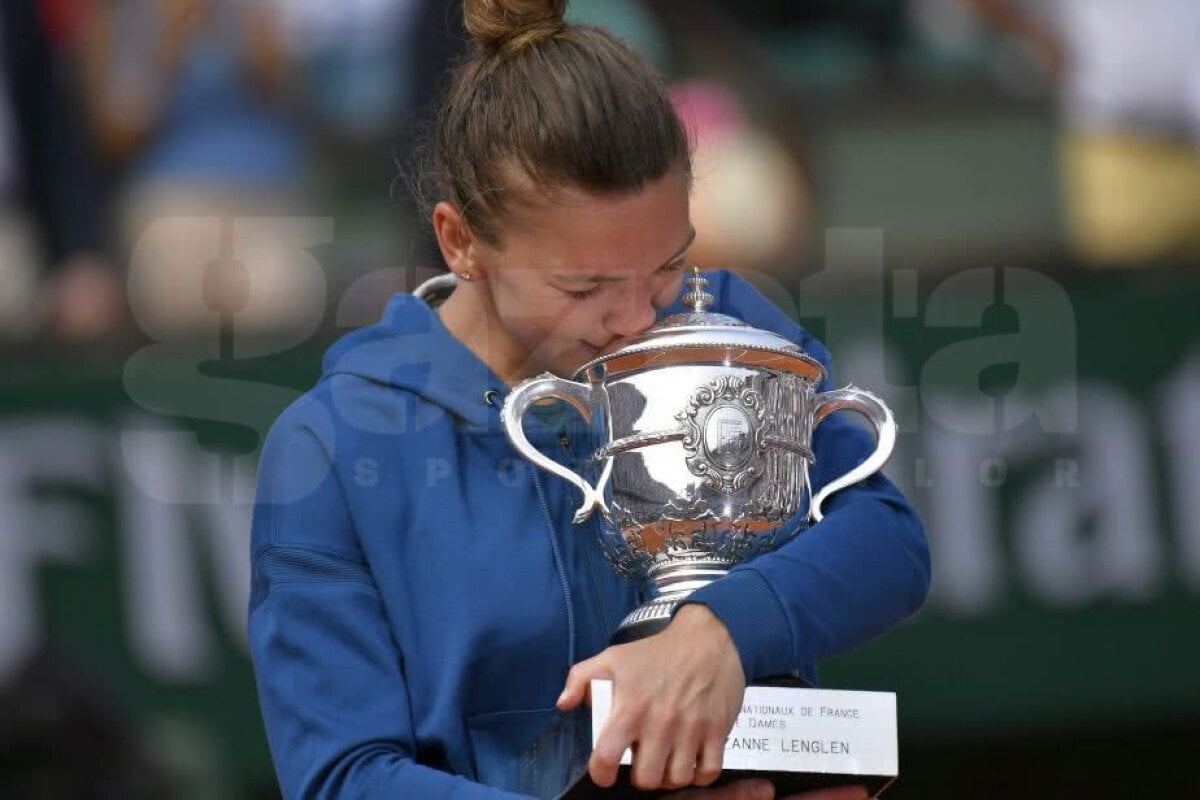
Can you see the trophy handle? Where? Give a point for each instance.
(881, 419)
(578, 395)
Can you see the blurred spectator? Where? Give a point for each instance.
(61, 739)
(368, 68)
(1130, 85)
(187, 101)
(358, 79)
(750, 201)
(48, 198)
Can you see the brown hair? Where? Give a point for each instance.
(567, 104)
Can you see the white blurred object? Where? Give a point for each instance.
(1132, 66)
(750, 203)
(195, 255)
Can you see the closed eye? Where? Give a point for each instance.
(583, 294)
(677, 265)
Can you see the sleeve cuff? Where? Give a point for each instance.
(756, 621)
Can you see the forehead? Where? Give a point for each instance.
(568, 228)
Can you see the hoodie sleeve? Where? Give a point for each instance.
(330, 677)
(847, 579)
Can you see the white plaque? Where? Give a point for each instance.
(785, 729)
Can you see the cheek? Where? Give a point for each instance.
(536, 316)
(574, 319)
(669, 289)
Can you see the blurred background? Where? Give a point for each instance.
(989, 209)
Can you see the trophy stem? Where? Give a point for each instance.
(670, 582)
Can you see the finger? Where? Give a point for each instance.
(579, 681)
(712, 755)
(653, 748)
(648, 766)
(605, 761)
(840, 793)
(680, 769)
(685, 756)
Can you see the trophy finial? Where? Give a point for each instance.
(697, 299)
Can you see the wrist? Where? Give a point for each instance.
(695, 620)
(755, 619)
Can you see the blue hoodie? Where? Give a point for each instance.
(419, 592)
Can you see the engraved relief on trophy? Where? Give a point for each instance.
(727, 437)
(724, 428)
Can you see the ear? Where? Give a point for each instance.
(455, 239)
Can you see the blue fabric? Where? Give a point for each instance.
(218, 128)
(420, 593)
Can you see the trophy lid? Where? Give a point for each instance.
(700, 336)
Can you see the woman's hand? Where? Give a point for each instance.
(762, 790)
(676, 696)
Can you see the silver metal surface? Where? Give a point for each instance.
(704, 464)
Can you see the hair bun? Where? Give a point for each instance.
(512, 25)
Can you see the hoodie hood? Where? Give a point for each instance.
(410, 349)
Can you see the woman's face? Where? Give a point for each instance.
(576, 271)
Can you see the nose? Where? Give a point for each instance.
(632, 312)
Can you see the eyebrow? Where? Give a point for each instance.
(602, 278)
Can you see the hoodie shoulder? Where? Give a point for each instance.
(410, 354)
(738, 297)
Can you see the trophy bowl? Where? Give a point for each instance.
(706, 430)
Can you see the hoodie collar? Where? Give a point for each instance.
(410, 349)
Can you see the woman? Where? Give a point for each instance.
(422, 605)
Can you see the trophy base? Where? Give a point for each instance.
(786, 784)
(670, 582)
(801, 739)
(646, 620)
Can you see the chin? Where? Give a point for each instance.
(565, 361)
(566, 369)
(567, 366)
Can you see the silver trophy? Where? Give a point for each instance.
(706, 427)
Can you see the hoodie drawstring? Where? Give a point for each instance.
(493, 399)
(562, 572)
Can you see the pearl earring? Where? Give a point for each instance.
(466, 276)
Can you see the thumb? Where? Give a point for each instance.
(579, 681)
